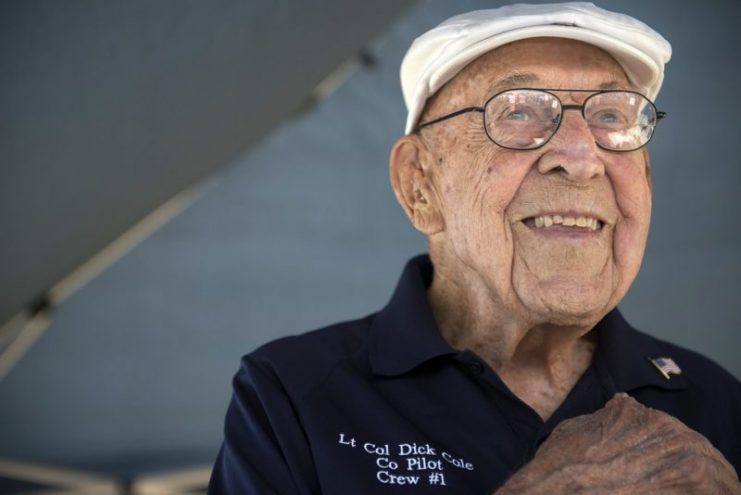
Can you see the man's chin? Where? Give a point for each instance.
(569, 304)
(573, 316)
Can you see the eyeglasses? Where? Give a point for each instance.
(527, 118)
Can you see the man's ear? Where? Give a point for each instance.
(409, 171)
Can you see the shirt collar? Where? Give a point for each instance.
(625, 354)
(404, 334)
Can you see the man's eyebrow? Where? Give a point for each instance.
(610, 85)
(526, 79)
(516, 80)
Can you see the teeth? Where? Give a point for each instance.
(583, 222)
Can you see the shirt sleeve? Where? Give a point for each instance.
(265, 450)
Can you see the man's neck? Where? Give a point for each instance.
(539, 362)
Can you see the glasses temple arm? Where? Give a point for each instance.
(448, 116)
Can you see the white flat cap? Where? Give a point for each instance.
(439, 54)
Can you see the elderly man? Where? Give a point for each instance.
(500, 363)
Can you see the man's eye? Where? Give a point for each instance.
(518, 115)
(608, 117)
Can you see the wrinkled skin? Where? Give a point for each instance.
(526, 300)
(477, 194)
(625, 448)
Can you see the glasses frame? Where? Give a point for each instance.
(659, 114)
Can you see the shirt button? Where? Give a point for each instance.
(476, 367)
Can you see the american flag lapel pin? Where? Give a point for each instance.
(666, 366)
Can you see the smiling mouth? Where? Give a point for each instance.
(564, 223)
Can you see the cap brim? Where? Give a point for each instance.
(640, 69)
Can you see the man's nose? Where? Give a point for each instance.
(572, 151)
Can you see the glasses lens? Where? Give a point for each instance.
(522, 119)
(620, 120)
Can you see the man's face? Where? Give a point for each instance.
(493, 200)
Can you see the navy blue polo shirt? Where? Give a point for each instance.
(384, 405)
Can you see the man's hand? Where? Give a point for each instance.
(625, 447)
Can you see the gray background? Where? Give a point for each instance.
(302, 230)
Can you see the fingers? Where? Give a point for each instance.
(626, 445)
